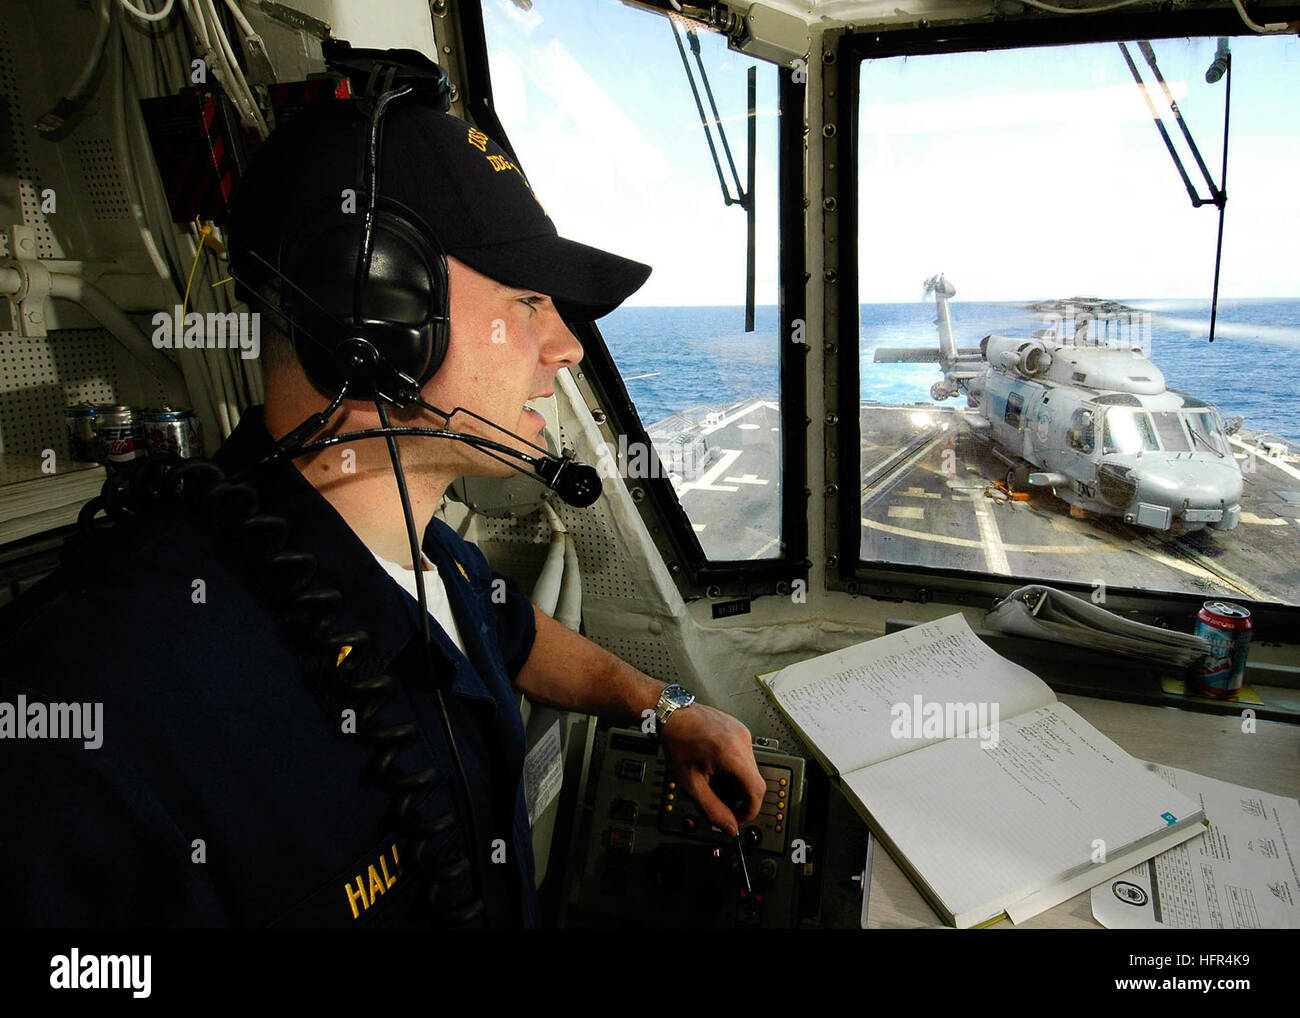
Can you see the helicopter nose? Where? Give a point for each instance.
(1192, 484)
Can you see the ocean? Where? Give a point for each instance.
(673, 359)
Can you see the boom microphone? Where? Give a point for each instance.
(577, 483)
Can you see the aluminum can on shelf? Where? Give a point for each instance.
(176, 431)
(121, 436)
(82, 429)
(1222, 671)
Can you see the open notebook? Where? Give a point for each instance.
(992, 795)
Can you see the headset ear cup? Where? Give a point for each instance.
(399, 306)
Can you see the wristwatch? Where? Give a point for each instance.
(673, 697)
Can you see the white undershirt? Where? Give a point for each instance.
(435, 593)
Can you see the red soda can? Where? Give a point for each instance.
(1227, 627)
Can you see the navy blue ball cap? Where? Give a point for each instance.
(448, 176)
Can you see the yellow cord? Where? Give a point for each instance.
(204, 230)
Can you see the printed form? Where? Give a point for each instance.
(1243, 874)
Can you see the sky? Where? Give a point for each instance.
(1019, 175)
(599, 111)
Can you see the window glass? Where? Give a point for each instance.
(1035, 301)
(1129, 432)
(598, 107)
(1082, 436)
(1169, 426)
(1205, 430)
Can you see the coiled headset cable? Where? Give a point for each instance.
(306, 610)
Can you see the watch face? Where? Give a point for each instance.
(677, 695)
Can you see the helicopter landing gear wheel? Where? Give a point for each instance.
(1017, 479)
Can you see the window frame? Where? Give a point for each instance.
(661, 511)
(843, 55)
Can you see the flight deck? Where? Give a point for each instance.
(930, 497)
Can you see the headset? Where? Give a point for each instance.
(386, 335)
(390, 339)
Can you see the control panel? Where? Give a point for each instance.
(654, 859)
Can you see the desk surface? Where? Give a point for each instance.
(1213, 745)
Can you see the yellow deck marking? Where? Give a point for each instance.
(1276, 521)
(906, 512)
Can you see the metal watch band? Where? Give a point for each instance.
(672, 698)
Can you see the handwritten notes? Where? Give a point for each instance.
(842, 701)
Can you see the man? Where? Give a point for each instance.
(251, 775)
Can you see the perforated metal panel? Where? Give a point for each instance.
(649, 656)
(604, 572)
(30, 200)
(774, 725)
(39, 378)
(103, 178)
(19, 119)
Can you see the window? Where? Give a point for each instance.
(599, 109)
(1003, 184)
(1015, 403)
(1128, 432)
(1206, 431)
(1083, 434)
(1169, 426)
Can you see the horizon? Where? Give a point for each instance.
(975, 300)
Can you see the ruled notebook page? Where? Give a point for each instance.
(842, 702)
(991, 825)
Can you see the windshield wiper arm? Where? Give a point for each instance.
(744, 196)
(1197, 436)
(1218, 193)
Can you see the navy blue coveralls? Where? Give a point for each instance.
(226, 791)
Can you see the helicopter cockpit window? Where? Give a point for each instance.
(995, 186)
(599, 109)
(1206, 431)
(1082, 435)
(1128, 432)
(1169, 426)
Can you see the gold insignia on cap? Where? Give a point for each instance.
(478, 139)
(462, 570)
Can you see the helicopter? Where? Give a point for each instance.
(1088, 418)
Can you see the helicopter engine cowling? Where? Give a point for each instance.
(1029, 358)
